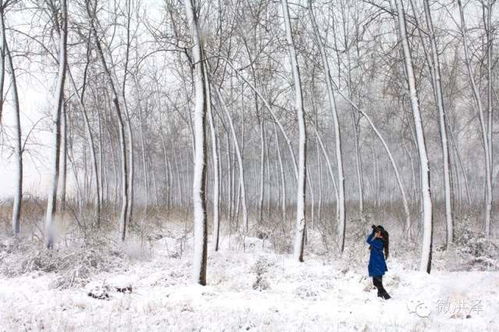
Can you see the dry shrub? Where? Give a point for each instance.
(73, 266)
(476, 251)
(261, 269)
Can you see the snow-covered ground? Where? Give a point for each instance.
(254, 289)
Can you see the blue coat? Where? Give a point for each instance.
(377, 264)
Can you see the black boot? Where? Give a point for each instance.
(378, 282)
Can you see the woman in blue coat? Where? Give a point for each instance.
(378, 241)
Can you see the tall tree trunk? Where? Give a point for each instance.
(339, 154)
(283, 178)
(169, 186)
(216, 167)
(144, 162)
(231, 180)
(439, 99)
(3, 53)
(52, 197)
(262, 166)
(180, 197)
(239, 156)
(16, 209)
(123, 219)
(128, 120)
(167, 171)
(104, 180)
(490, 124)
(319, 172)
(353, 114)
(64, 156)
(483, 127)
(198, 198)
(312, 200)
(90, 137)
(423, 156)
(302, 140)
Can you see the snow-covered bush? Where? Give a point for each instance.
(476, 251)
(282, 242)
(73, 265)
(261, 268)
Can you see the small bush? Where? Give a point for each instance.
(476, 251)
(261, 268)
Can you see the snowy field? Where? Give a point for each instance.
(250, 288)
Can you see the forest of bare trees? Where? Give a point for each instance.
(255, 118)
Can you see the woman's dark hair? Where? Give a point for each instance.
(385, 238)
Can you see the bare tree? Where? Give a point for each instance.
(16, 210)
(216, 166)
(52, 197)
(337, 133)
(480, 109)
(80, 93)
(198, 194)
(2, 60)
(423, 155)
(439, 99)
(124, 214)
(302, 140)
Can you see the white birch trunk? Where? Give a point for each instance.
(281, 172)
(490, 124)
(144, 163)
(100, 185)
(64, 156)
(319, 172)
(442, 122)
(199, 204)
(262, 167)
(239, 156)
(167, 171)
(302, 140)
(16, 209)
(216, 167)
(131, 165)
(2, 58)
(423, 156)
